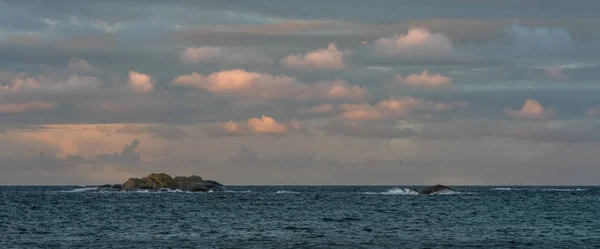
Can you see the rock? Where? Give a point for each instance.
(132, 184)
(433, 189)
(163, 181)
(193, 178)
(197, 187)
(116, 186)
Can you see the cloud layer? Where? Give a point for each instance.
(300, 93)
(241, 83)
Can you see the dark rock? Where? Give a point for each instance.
(197, 187)
(116, 186)
(433, 189)
(163, 182)
(131, 184)
(193, 178)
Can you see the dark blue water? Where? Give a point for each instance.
(301, 217)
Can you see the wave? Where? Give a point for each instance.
(540, 189)
(503, 189)
(562, 189)
(394, 191)
(239, 191)
(406, 191)
(79, 190)
(451, 192)
(285, 192)
(144, 191)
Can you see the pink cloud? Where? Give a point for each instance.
(392, 108)
(140, 82)
(425, 79)
(329, 58)
(23, 83)
(594, 112)
(23, 107)
(32, 93)
(262, 125)
(224, 56)
(555, 72)
(326, 108)
(532, 109)
(418, 43)
(241, 83)
(334, 90)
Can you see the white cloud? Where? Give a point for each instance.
(225, 56)
(418, 43)
(140, 82)
(241, 83)
(329, 58)
(425, 79)
(531, 109)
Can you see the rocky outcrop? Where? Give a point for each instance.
(163, 181)
(433, 189)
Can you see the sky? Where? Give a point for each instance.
(338, 92)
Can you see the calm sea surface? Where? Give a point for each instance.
(301, 217)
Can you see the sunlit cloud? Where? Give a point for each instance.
(329, 58)
(141, 82)
(241, 83)
(531, 109)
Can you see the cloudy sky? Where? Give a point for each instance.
(376, 92)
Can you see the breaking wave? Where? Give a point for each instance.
(285, 192)
(406, 191)
(79, 190)
(394, 191)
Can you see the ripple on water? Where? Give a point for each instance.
(330, 217)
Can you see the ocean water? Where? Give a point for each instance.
(301, 217)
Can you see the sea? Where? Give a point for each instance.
(301, 217)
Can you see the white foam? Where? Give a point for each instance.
(79, 190)
(503, 189)
(285, 192)
(451, 192)
(562, 189)
(394, 191)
